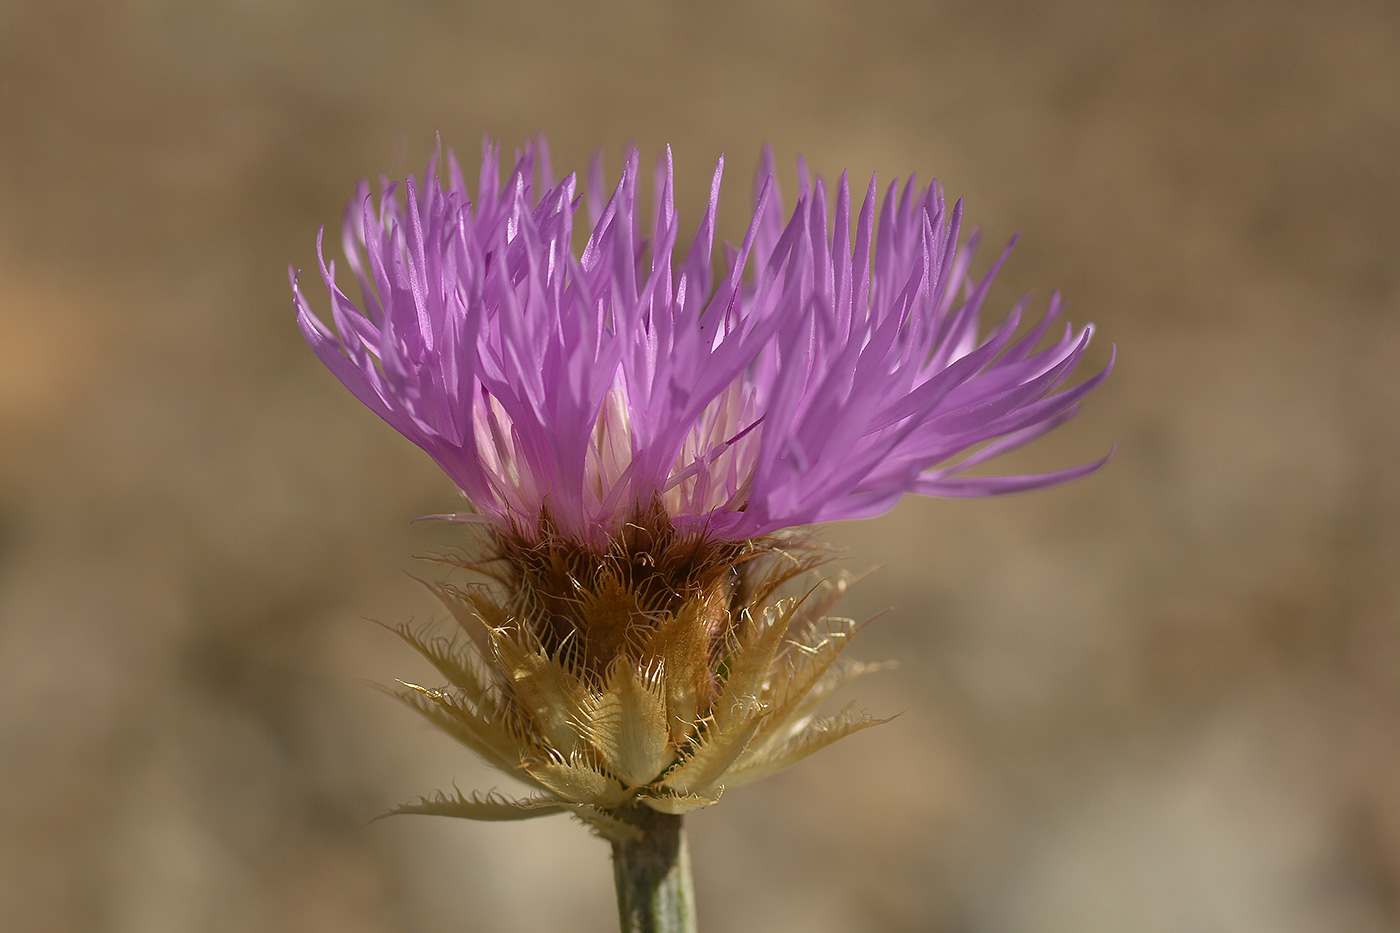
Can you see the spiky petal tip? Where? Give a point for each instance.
(836, 364)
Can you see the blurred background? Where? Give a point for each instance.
(1166, 698)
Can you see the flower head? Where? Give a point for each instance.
(836, 363)
(636, 433)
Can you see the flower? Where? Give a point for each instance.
(638, 436)
(840, 375)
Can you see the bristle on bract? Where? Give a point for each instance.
(653, 674)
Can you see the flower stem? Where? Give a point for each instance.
(654, 891)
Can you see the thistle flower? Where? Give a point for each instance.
(637, 433)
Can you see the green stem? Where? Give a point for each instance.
(654, 892)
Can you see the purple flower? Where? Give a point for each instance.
(634, 431)
(831, 364)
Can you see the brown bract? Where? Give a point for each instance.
(658, 671)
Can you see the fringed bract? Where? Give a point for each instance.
(655, 672)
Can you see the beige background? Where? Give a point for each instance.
(1162, 699)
